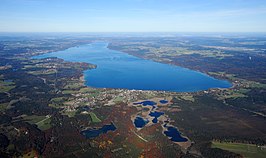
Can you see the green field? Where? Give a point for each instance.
(85, 90)
(6, 86)
(43, 122)
(58, 99)
(239, 93)
(118, 99)
(94, 118)
(69, 113)
(69, 92)
(73, 85)
(3, 106)
(247, 150)
(48, 72)
(188, 97)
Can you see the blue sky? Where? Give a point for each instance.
(133, 16)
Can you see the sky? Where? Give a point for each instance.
(132, 15)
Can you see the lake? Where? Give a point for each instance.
(139, 122)
(120, 70)
(92, 133)
(169, 130)
(174, 135)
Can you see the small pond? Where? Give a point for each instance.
(92, 133)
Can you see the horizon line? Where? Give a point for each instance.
(132, 32)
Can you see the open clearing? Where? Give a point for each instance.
(94, 118)
(247, 150)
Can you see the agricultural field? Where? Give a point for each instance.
(43, 122)
(6, 85)
(247, 150)
(94, 117)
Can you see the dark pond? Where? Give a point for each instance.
(156, 115)
(163, 101)
(146, 103)
(92, 133)
(139, 122)
(174, 135)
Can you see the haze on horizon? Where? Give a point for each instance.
(133, 16)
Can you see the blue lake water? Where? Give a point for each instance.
(119, 70)
(171, 132)
(146, 103)
(139, 122)
(163, 101)
(92, 133)
(156, 115)
(174, 135)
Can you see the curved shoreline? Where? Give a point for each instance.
(169, 63)
(201, 83)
